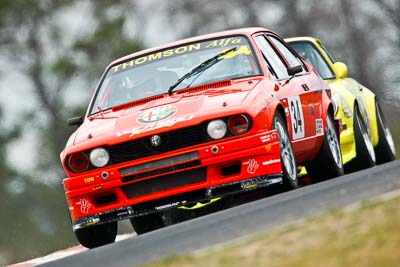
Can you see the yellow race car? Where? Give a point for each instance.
(365, 139)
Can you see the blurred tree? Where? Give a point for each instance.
(207, 16)
(360, 44)
(112, 37)
(341, 24)
(7, 182)
(392, 10)
(31, 42)
(33, 37)
(26, 229)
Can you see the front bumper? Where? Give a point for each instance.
(176, 201)
(174, 179)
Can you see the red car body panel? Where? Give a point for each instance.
(118, 188)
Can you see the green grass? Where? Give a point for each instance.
(366, 236)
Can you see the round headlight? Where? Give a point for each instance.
(216, 129)
(238, 124)
(99, 157)
(78, 162)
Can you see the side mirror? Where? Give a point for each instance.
(294, 70)
(341, 70)
(76, 121)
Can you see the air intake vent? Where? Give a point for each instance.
(166, 182)
(205, 87)
(137, 102)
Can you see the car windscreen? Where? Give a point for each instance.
(311, 54)
(154, 73)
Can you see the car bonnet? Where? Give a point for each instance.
(182, 109)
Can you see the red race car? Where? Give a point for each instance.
(191, 121)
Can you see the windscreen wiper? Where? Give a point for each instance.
(200, 68)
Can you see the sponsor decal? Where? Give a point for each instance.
(85, 205)
(155, 140)
(269, 137)
(171, 205)
(268, 162)
(252, 166)
(185, 49)
(154, 126)
(88, 180)
(319, 126)
(157, 114)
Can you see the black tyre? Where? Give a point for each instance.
(96, 236)
(365, 153)
(147, 223)
(385, 150)
(328, 163)
(288, 160)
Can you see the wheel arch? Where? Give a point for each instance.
(371, 105)
(279, 108)
(273, 109)
(330, 111)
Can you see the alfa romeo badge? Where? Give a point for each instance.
(155, 140)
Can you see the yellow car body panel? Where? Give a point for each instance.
(346, 92)
(345, 107)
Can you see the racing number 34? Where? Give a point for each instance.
(296, 116)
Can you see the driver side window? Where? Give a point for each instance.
(291, 59)
(275, 65)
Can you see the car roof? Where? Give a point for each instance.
(240, 31)
(303, 39)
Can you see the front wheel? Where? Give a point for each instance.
(147, 223)
(385, 150)
(328, 163)
(288, 161)
(157, 220)
(98, 235)
(365, 154)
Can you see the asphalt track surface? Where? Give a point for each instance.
(240, 221)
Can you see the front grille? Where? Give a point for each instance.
(174, 160)
(173, 140)
(161, 171)
(165, 182)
